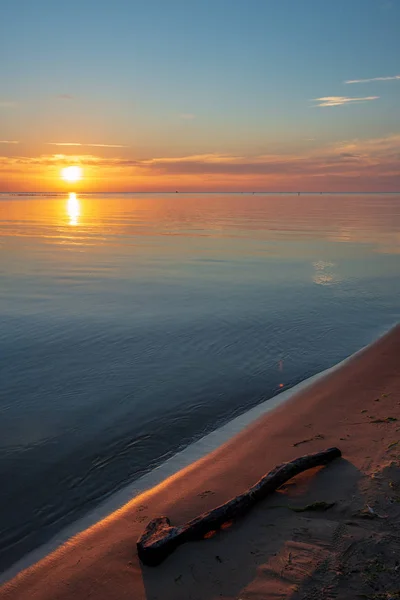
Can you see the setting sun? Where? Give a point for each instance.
(71, 174)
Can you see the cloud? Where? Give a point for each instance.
(7, 104)
(106, 145)
(341, 100)
(8, 142)
(89, 145)
(349, 155)
(187, 116)
(48, 160)
(213, 158)
(393, 78)
(377, 150)
(64, 97)
(351, 159)
(370, 164)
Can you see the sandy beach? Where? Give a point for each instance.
(349, 550)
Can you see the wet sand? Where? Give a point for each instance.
(274, 551)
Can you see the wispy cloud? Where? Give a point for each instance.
(106, 145)
(89, 145)
(370, 163)
(341, 100)
(64, 97)
(55, 160)
(392, 78)
(351, 159)
(211, 158)
(8, 142)
(350, 156)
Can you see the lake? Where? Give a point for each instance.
(132, 325)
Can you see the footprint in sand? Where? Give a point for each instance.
(206, 493)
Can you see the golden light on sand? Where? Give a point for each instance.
(71, 174)
(73, 208)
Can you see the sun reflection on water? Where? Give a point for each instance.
(73, 208)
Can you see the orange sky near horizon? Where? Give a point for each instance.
(167, 96)
(358, 165)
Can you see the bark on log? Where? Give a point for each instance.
(160, 539)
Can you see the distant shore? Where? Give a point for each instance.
(274, 550)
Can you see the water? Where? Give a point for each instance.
(132, 325)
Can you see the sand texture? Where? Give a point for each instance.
(281, 549)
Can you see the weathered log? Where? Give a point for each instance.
(160, 539)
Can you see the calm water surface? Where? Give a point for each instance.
(132, 325)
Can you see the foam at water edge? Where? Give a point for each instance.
(182, 459)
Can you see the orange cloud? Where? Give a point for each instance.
(86, 144)
(350, 165)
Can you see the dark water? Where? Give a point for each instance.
(132, 325)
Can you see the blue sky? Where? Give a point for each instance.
(178, 78)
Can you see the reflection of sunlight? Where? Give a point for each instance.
(73, 209)
(324, 274)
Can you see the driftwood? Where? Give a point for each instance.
(160, 539)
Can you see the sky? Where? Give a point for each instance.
(200, 95)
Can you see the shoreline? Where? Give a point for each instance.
(182, 459)
(215, 470)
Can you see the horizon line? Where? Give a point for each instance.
(251, 192)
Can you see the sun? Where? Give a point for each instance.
(71, 174)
